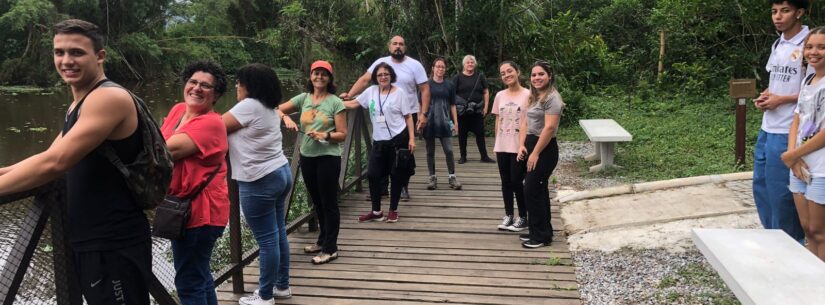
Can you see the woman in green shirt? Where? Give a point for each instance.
(324, 124)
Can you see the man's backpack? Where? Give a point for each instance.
(148, 177)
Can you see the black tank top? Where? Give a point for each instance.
(102, 215)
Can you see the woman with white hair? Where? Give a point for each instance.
(472, 97)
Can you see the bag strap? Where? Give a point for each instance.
(474, 87)
(205, 183)
(106, 149)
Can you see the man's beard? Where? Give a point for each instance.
(398, 55)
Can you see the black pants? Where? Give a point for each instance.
(321, 179)
(447, 146)
(535, 190)
(381, 165)
(471, 123)
(117, 276)
(512, 182)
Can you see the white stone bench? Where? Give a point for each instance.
(763, 266)
(604, 134)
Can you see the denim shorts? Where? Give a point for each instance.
(814, 192)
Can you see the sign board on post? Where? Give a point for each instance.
(741, 90)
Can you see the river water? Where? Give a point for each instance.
(29, 122)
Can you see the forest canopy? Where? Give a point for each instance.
(590, 43)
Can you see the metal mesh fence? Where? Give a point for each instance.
(27, 228)
(23, 220)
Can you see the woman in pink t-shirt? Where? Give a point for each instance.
(196, 137)
(510, 106)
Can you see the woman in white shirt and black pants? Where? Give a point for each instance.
(391, 110)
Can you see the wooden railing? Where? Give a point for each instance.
(48, 205)
(351, 155)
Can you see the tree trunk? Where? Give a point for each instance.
(661, 54)
(440, 13)
(459, 9)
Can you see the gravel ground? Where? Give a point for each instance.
(649, 277)
(628, 276)
(568, 172)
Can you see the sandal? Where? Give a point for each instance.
(324, 258)
(312, 249)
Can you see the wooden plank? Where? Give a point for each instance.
(448, 266)
(298, 283)
(423, 278)
(445, 249)
(309, 238)
(388, 266)
(459, 253)
(387, 297)
(424, 258)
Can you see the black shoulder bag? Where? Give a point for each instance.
(464, 106)
(172, 214)
(404, 159)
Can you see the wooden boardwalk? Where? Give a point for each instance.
(444, 249)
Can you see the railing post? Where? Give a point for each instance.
(356, 136)
(235, 236)
(67, 288)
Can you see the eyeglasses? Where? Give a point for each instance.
(202, 85)
(383, 75)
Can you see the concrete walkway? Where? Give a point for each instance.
(657, 214)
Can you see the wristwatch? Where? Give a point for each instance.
(329, 135)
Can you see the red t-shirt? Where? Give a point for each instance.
(208, 131)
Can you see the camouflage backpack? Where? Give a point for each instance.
(148, 177)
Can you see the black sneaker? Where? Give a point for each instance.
(532, 244)
(524, 237)
(462, 160)
(487, 160)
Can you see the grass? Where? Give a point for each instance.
(695, 275)
(673, 136)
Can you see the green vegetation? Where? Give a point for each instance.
(694, 275)
(553, 261)
(674, 135)
(605, 54)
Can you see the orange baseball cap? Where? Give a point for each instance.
(321, 64)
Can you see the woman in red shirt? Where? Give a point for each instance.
(196, 137)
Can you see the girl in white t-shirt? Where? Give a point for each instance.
(510, 106)
(390, 109)
(806, 156)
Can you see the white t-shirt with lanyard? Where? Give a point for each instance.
(786, 74)
(387, 111)
(409, 73)
(811, 110)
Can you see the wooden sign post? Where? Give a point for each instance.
(741, 90)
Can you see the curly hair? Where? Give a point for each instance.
(261, 83)
(207, 67)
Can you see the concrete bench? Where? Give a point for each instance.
(763, 266)
(604, 134)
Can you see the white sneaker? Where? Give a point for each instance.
(506, 222)
(520, 224)
(282, 294)
(255, 299)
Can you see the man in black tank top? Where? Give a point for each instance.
(108, 231)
